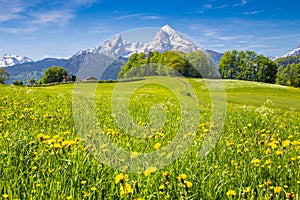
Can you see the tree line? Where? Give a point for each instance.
(243, 65)
(250, 66)
(288, 71)
(193, 64)
(247, 65)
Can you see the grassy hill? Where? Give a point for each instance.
(45, 154)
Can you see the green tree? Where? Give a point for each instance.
(54, 74)
(266, 70)
(17, 83)
(175, 61)
(229, 65)
(4, 75)
(31, 81)
(290, 75)
(248, 66)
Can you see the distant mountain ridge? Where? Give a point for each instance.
(9, 60)
(165, 39)
(116, 50)
(294, 52)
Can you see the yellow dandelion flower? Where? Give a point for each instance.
(295, 143)
(83, 182)
(247, 189)
(166, 175)
(126, 189)
(182, 177)
(161, 187)
(268, 151)
(261, 185)
(120, 178)
(149, 171)
(255, 161)
(93, 188)
(188, 184)
(34, 168)
(229, 143)
(293, 159)
(279, 153)
(239, 151)
(273, 145)
(69, 197)
(134, 155)
(43, 137)
(68, 143)
(277, 190)
(157, 146)
(5, 196)
(286, 143)
(231, 193)
(249, 124)
(57, 146)
(268, 162)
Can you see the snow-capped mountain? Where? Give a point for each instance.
(168, 39)
(165, 39)
(295, 52)
(116, 47)
(10, 60)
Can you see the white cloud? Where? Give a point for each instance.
(28, 14)
(151, 17)
(127, 16)
(59, 17)
(242, 3)
(253, 12)
(18, 30)
(83, 2)
(208, 6)
(138, 15)
(10, 10)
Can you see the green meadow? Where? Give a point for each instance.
(44, 154)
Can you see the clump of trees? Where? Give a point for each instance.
(194, 64)
(18, 83)
(289, 75)
(247, 65)
(4, 75)
(54, 74)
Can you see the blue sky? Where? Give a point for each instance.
(55, 28)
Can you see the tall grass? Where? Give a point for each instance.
(42, 156)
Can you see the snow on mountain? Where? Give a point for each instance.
(165, 39)
(9, 60)
(168, 39)
(295, 52)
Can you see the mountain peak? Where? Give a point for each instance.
(168, 39)
(167, 28)
(9, 60)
